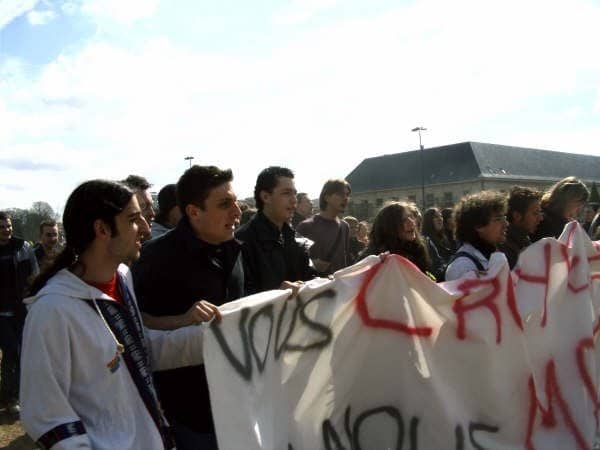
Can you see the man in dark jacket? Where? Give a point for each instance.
(198, 260)
(273, 258)
(524, 216)
(17, 266)
(47, 249)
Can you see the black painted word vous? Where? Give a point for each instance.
(353, 428)
(247, 327)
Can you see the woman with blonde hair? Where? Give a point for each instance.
(560, 205)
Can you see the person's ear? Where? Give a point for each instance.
(101, 229)
(265, 197)
(191, 210)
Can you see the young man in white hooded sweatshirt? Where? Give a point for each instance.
(86, 379)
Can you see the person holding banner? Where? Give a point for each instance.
(86, 379)
(198, 260)
(273, 258)
(481, 227)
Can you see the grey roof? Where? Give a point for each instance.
(470, 161)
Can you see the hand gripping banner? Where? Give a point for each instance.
(381, 357)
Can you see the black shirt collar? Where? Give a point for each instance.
(484, 247)
(268, 231)
(194, 244)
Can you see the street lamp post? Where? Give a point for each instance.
(189, 158)
(419, 129)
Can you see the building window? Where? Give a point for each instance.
(448, 199)
(352, 208)
(429, 200)
(363, 210)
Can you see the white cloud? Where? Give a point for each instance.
(320, 104)
(120, 11)
(40, 17)
(299, 11)
(11, 9)
(597, 103)
(70, 8)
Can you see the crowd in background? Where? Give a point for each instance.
(201, 247)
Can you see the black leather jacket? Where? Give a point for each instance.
(272, 256)
(174, 271)
(18, 266)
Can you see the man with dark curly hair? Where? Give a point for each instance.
(480, 227)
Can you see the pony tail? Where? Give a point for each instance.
(66, 258)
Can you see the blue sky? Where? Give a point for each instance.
(105, 88)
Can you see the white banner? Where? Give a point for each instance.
(383, 358)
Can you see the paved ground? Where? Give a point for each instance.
(12, 436)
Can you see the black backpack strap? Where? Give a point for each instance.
(470, 256)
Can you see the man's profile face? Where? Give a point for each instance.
(216, 222)
(5, 231)
(49, 237)
(280, 204)
(124, 246)
(531, 219)
(146, 205)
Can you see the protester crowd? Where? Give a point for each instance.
(111, 354)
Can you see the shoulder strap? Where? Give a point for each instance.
(469, 256)
(125, 322)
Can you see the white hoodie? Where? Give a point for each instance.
(65, 377)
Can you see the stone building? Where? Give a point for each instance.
(451, 171)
